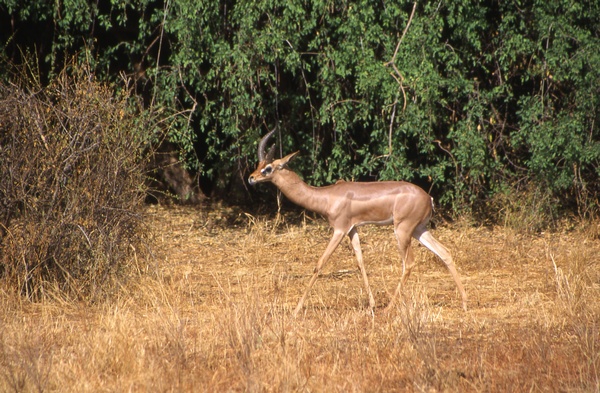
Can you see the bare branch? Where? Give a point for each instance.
(397, 75)
(393, 61)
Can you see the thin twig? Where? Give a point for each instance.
(162, 32)
(393, 61)
(397, 75)
(392, 127)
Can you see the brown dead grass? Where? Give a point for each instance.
(215, 316)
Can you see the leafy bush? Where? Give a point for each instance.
(468, 99)
(71, 183)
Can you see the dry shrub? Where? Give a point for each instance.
(71, 182)
(528, 211)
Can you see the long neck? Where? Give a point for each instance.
(299, 192)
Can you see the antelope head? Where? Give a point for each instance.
(267, 167)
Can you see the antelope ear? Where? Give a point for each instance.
(283, 161)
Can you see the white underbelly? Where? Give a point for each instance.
(383, 222)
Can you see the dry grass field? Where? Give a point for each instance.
(213, 314)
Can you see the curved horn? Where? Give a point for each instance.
(270, 154)
(262, 147)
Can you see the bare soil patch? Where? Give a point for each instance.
(214, 314)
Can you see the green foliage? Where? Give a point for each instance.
(481, 97)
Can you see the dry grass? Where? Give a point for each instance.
(216, 316)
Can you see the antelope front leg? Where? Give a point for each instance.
(333, 243)
(354, 239)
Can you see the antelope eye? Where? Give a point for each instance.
(267, 170)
